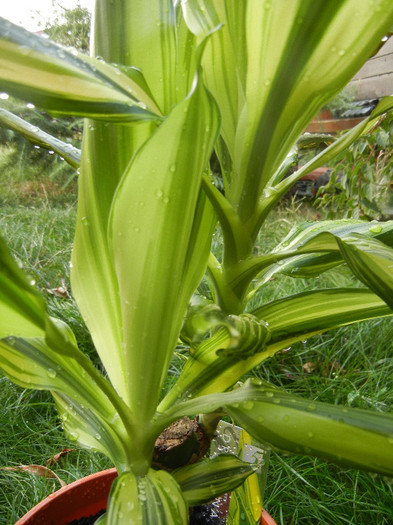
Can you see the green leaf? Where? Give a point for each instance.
(154, 498)
(275, 194)
(285, 79)
(161, 184)
(219, 62)
(246, 500)
(290, 319)
(350, 437)
(299, 316)
(372, 263)
(88, 416)
(66, 82)
(123, 31)
(310, 249)
(347, 436)
(22, 309)
(40, 138)
(207, 479)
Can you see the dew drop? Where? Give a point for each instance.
(311, 407)
(375, 229)
(51, 373)
(4, 96)
(172, 169)
(248, 405)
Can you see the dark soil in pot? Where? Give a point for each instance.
(88, 520)
(208, 514)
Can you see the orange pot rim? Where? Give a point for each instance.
(83, 497)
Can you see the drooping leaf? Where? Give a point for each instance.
(66, 82)
(310, 249)
(207, 479)
(154, 498)
(37, 470)
(88, 415)
(372, 263)
(347, 436)
(40, 138)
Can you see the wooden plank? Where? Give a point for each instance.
(375, 87)
(385, 49)
(375, 67)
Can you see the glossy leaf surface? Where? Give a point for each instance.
(167, 256)
(290, 319)
(154, 498)
(66, 82)
(347, 436)
(40, 138)
(207, 479)
(88, 416)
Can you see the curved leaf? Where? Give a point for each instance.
(207, 479)
(154, 498)
(40, 138)
(66, 82)
(310, 249)
(348, 436)
(168, 257)
(88, 416)
(289, 319)
(372, 263)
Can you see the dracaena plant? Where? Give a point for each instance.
(167, 83)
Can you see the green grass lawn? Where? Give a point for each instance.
(352, 366)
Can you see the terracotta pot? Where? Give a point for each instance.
(83, 497)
